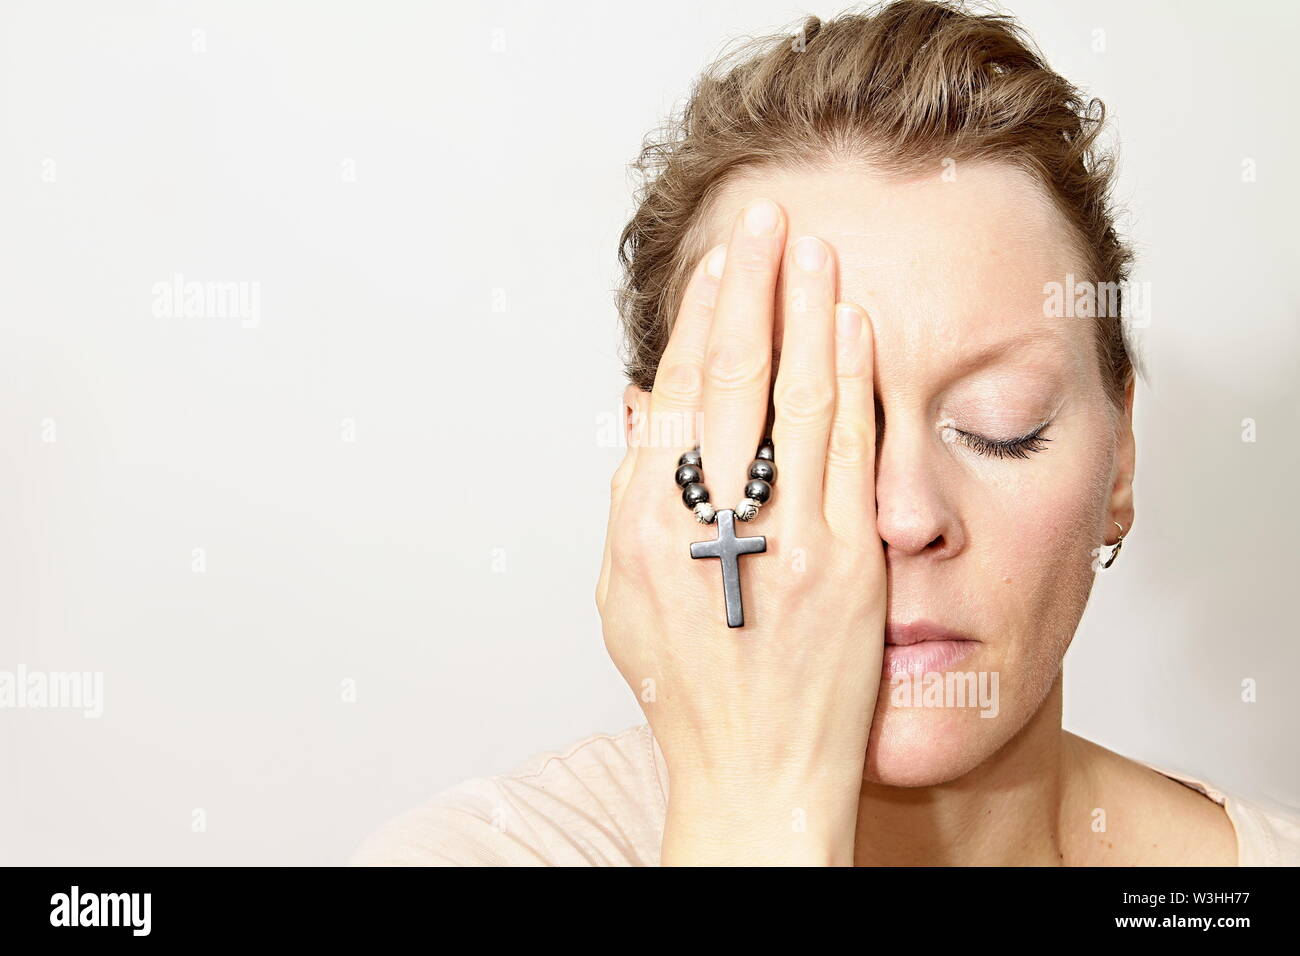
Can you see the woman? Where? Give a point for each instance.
(875, 279)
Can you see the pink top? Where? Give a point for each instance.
(601, 802)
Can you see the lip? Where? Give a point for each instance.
(924, 647)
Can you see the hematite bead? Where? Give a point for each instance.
(693, 494)
(687, 474)
(692, 457)
(758, 489)
(764, 469)
(765, 451)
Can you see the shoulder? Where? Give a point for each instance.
(1162, 816)
(1265, 835)
(598, 802)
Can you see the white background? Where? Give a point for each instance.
(455, 301)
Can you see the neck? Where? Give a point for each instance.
(1006, 811)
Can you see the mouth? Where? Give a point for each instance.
(923, 647)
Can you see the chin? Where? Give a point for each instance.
(921, 747)
(936, 742)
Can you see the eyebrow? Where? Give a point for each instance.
(990, 353)
(994, 350)
(1038, 339)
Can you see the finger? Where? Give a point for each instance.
(673, 409)
(738, 358)
(618, 487)
(804, 397)
(850, 492)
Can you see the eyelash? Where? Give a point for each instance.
(1021, 447)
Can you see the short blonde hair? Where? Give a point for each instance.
(902, 86)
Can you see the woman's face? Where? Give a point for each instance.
(995, 543)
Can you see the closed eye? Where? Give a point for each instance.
(1021, 447)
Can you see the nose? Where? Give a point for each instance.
(915, 514)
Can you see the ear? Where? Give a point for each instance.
(1121, 489)
(635, 404)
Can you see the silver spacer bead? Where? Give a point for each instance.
(704, 513)
(747, 508)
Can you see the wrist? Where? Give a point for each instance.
(760, 823)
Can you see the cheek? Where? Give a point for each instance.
(1043, 529)
(1026, 574)
(1039, 533)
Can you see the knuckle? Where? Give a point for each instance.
(638, 538)
(700, 305)
(679, 384)
(859, 559)
(846, 565)
(733, 368)
(801, 585)
(751, 260)
(853, 372)
(804, 552)
(618, 482)
(803, 299)
(804, 401)
(671, 427)
(623, 554)
(850, 444)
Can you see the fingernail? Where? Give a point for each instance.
(810, 254)
(717, 259)
(761, 217)
(848, 324)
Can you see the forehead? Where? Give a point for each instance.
(942, 263)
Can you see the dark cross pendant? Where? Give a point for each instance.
(729, 548)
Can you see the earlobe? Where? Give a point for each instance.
(1121, 494)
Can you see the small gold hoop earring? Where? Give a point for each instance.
(1115, 551)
